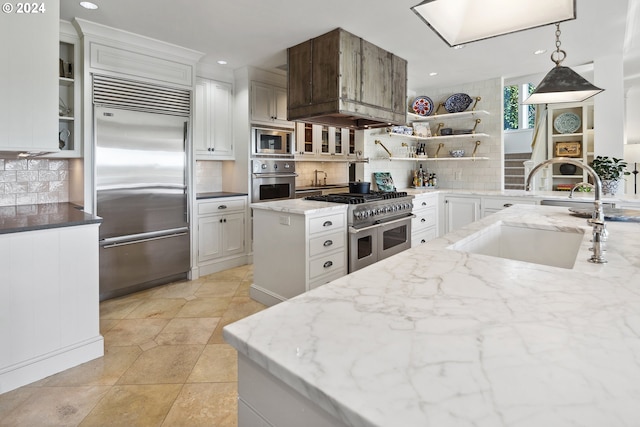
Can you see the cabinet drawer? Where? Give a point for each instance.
(423, 236)
(220, 206)
(422, 203)
(424, 218)
(326, 223)
(327, 243)
(327, 264)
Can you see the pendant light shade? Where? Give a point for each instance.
(561, 84)
(463, 21)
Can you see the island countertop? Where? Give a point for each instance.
(439, 337)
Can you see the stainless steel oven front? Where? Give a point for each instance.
(368, 245)
(272, 180)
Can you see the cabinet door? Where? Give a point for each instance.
(233, 234)
(261, 98)
(460, 211)
(221, 119)
(280, 104)
(201, 121)
(29, 80)
(210, 237)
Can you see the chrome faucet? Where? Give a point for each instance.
(325, 177)
(580, 185)
(597, 219)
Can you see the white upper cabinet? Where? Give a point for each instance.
(269, 105)
(213, 120)
(29, 78)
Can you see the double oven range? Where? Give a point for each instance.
(379, 224)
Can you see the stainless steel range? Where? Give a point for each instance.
(379, 224)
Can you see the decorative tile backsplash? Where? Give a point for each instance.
(33, 181)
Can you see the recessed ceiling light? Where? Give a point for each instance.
(433, 74)
(222, 62)
(88, 5)
(540, 51)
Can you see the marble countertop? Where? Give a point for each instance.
(300, 206)
(539, 195)
(438, 337)
(15, 219)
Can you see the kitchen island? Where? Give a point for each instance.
(442, 337)
(49, 308)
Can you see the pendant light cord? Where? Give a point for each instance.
(560, 54)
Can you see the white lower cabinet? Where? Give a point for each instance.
(460, 211)
(424, 227)
(492, 205)
(221, 233)
(296, 252)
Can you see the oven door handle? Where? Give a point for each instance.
(275, 175)
(353, 230)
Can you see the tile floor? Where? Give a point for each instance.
(165, 362)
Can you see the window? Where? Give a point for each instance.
(516, 115)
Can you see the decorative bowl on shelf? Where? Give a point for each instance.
(568, 169)
(456, 153)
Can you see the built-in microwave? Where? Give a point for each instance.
(272, 142)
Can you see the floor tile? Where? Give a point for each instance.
(239, 307)
(134, 405)
(164, 364)
(184, 289)
(12, 399)
(107, 324)
(102, 371)
(134, 331)
(206, 404)
(56, 406)
(213, 289)
(187, 331)
(232, 274)
(217, 363)
(157, 308)
(205, 307)
(118, 308)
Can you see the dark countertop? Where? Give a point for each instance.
(15, 219)
(217, 194)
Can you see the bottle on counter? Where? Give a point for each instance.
(434, 181)
(420, 177)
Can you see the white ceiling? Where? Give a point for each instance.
(258, 32)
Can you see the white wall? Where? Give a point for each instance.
(460, 174)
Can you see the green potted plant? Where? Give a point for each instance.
(610, 171)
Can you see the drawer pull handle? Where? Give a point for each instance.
(507, 205)
(424, 203)
(222, 207)
(328, 243)
(327, 224)
(423, 220)
(328, 264)
(423, 241)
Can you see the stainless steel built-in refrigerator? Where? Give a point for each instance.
(141, 194)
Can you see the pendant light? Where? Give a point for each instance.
(561, 84)
(464, 21)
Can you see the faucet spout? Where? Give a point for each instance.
(597, 220)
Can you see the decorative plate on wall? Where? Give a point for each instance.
(567, 123)
(457, 103)
(422, 105)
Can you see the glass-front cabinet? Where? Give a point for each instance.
(316, 141)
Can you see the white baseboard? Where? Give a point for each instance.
(37, 368)
(265, 296)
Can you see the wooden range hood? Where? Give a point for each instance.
(339, 79)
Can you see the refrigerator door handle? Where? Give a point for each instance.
(142, 237)
(186, 169)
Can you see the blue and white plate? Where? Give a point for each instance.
(457, 103)
(567, 123)
(422, 106)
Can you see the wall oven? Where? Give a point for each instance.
(271, 142)
(272, 180)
